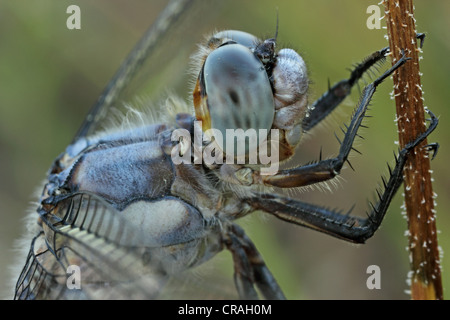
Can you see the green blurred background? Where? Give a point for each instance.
(50, 76)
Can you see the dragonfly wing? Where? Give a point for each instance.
(153, 62)
(87, 238)
(128, 68)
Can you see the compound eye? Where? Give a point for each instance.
(238, 91)
(243, 38)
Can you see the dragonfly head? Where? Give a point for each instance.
(240, 86)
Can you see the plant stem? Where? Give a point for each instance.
(425, 272)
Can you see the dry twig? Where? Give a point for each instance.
(419, 201)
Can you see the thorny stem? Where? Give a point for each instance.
(419, 201)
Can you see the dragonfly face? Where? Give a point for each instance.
(117, 206)
(244, 83)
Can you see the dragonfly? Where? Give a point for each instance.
(117, 207)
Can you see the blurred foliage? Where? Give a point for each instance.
(50, 76)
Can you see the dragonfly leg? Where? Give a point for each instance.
(327, 169)
(249, 267)
(344, 226)
(323, 106)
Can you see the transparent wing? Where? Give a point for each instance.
(112, 260)
(135, 59)
(110, 256)
(158, 62)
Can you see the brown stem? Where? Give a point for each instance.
(419, 201)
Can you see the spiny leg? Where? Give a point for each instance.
(243, 275)
(340, 225)
(328, 168)
(249, 267)
(323, 106)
